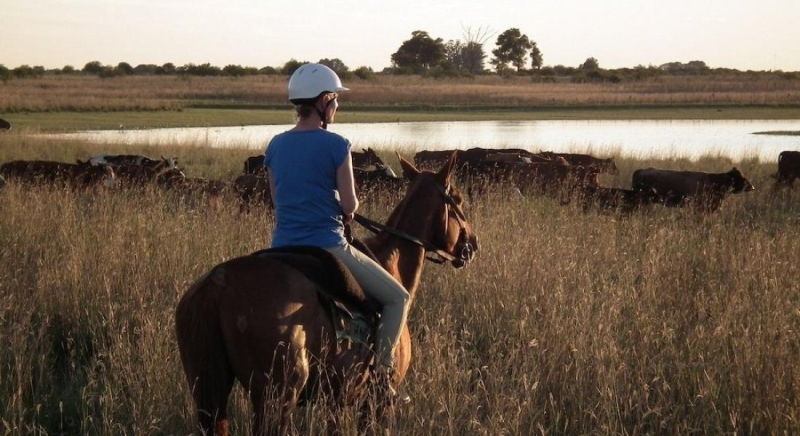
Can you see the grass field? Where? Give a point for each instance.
(664, 322)
(78, 102)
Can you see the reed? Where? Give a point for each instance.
(664, 322)
(158, 93)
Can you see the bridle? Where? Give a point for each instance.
(432, 252)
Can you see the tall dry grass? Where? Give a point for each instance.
(91, 93)
(665, 322)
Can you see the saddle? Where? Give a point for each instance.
(355, 315)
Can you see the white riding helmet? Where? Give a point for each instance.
(311, 80)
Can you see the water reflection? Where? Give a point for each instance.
(635, 138)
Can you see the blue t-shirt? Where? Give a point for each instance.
(303, 165)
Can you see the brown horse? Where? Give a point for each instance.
(258, 320)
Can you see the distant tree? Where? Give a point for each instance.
(93, 67)
(269, 71)
(168, 68)
(590, 64)
(473, 55)
(536, 57)
(145, 69)
(200, 70)
(453, 54)
(290, 67)
(68, 69)
(124, 68)
(5, 73)
(27, 72)
(336, 65)
(512, 47)
(364, 73)
(420, 53)
(234, 70)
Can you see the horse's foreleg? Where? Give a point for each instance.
(274, 408)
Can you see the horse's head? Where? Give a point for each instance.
(437, 210)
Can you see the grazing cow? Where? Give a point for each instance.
(252, 189)
(133, 159)
(434, 159)
(555, 179)
(140, 176)
(585, 160)
(788, 169)
(366, 158)
(255, 165)
(704, 191)
(4, 125)
(381, 180)
(79, 175)
(624, 201)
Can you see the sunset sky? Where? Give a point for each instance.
(740, 34)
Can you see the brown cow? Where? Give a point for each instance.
(252, 189)
(703, 191)
(788, 169)
(624, 201)
(585, 160)
(140, 176)
(379, 181)
(555, 179)
(79, 175)
(366, 158)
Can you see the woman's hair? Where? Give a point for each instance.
(305, 106)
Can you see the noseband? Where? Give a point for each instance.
(433, 253)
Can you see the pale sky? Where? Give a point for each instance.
(740, 34)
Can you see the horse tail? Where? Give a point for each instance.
(202, 351)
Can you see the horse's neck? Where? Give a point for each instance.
(403, 260)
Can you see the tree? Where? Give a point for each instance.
(291, 66)
(93, 67)
(536, 57)
(336, 65)
(591, 64)
(512, 47)
(419, 53)
(125, 68)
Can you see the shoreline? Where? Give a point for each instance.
(64, 122)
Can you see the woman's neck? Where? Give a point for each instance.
(310, 123)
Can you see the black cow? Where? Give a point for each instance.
(704, 191)
(61, 174)
(4, 125)
(255, 165)
(788, 169)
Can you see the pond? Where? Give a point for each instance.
(737, 139)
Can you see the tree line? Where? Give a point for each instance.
(514, 54)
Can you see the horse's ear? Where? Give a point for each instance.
(409, 170)
(447, 169)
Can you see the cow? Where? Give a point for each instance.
(788, 169)
(703, 191)
(255, 165)
(379, 181)
(141, 176)
(623, 201)
(60, 174)
(585, 160)
(556, 179)
(2, 182)
(4, 125)
(133, 159)
(252, 189)
(366, 158)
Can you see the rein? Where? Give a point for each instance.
(439, 256)
(376, 227)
